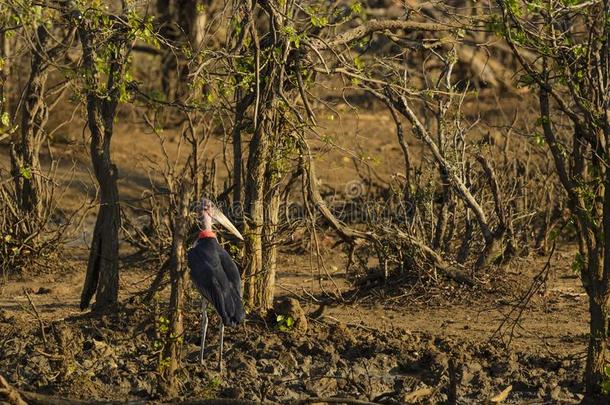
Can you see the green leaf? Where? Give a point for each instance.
(26, 172)
(542, 120)
(578, 264)
(319, 21)
(279, 318)
(539, 139)
(527, 80)
(356, 7)
(358, 63)
(553, 234)
(5, 119)
(289, 321)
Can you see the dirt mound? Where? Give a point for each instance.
(117, 356)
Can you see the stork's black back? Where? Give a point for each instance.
(216, 277)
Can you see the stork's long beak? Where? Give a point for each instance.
(219, 217)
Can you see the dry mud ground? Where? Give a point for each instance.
(383, 350)
(396, 348)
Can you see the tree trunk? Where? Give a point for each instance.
(262, 286)
(4, 74)
(266, 287)
(103, 267)
(25, 162)
(255, 215)
(168, 61)
(172, 351)
(490, 252)
(597, 284)
(261, 203)
(192, 19)
(182, 24)
(240, 110)
(598, 342)
(443, 211)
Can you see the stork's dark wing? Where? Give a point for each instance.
(230, 269)
(234, 278)
(208, 275)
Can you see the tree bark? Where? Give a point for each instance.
(4, 74)
(597, 284)
(192, 19)
(168, 61)
(255, 215)
(103, 265)
(24, 158)
(242, 101)
(598, 342)
(172, 352)
(182, 23)
(272, 209)
(261, 200)
(102, 268)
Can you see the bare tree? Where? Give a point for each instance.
(102, 101)
(263, 90)
(181, 193)
(564, 52)
(25, 162)
(275, 80)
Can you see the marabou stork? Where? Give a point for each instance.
(215, 275)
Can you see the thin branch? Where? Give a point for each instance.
(375, 26)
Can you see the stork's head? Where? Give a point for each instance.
(212, 214)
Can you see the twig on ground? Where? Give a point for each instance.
(333, 400)
(37, 315)
(518, 309)
(355, 325)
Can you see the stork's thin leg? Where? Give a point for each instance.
(222, 336)
(204, 327)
